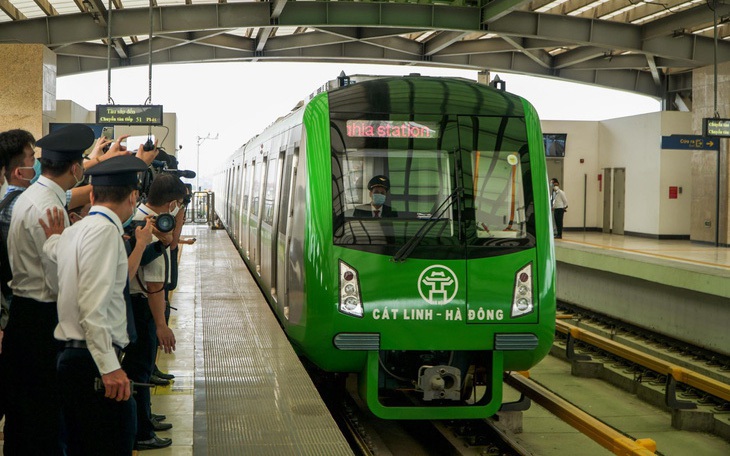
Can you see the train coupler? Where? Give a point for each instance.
(439, 382)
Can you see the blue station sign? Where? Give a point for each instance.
(690, 142)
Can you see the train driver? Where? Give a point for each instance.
(379, 187)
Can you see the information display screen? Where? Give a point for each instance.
(129, 114)
(717, 127)
(554, 144)
(391, 129)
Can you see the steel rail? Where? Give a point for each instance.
(601, 433)
(680, 374)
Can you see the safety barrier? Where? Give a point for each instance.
(201, 209)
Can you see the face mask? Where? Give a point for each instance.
(175, 211)
(36, 167)
(78, 182)
(556, 188)
(378, 199)
(131, 217)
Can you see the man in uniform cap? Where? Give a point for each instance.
(92, 325)
(379, 187)
(32, 416)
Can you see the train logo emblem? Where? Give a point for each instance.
(438, 284)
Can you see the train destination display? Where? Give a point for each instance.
(129, 114)
(391, 129)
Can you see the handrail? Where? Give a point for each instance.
(680, 374)
(599, 432)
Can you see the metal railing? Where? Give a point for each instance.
(202, 208)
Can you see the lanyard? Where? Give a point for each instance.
(63, 202)
(103, 214)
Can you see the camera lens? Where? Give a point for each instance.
(165, 223)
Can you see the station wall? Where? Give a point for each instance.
(632, 143)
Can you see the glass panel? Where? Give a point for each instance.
(270, 190)
(499, 203)
(256, 190)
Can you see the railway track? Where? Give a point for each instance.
(612, 424)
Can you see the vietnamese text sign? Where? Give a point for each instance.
(129, 114)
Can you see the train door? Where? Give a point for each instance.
(268, 223)
(275, 252)
(245, 215)
(607, 200)
(619, 188)
(253, 224)
(236, 197)
(239, 221)
(286, 216)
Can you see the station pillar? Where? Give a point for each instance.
(28, 79)
(704, 164)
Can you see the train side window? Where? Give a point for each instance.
(270, 189)
(256, 190)
(285, 193)
(247, 188)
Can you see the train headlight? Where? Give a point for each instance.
(350, 300)
(522, 303)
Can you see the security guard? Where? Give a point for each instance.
(32, 415)
(99, 417)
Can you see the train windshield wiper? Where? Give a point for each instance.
(413, 242)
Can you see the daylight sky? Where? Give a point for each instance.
(238, 100)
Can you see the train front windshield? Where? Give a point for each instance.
(460, 184)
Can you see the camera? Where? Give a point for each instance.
(163, 222)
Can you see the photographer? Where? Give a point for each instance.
(164, 200)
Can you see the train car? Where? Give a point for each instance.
(431, 300)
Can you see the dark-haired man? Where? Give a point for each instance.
(28, 345)
(166, 195)
(92, 316)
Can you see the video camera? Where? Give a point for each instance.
(164, 164)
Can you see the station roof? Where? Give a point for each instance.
(644, 46)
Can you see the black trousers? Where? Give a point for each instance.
(558, 215)
(139, 363)
(33, 411)
(93, 424)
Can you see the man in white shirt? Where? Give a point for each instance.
(98, 416)
(29, 348)
(165, 196)
(560, 206)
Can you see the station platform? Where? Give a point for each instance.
(677, 288)
(694, 266)
(239, 388)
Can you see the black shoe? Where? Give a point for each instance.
(160, 426)
(154, 417)
(155, 380)
(152, 444)
(161, 374)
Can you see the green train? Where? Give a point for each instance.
(400, 228)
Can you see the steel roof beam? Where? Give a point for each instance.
(310, 39)
(438, 17)
(10, 9)
(607, 34)
(495, 9)
(442, 41)
(655, 72)
(688, 19)
(540, 57)
(576, 56)
(46, 7)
